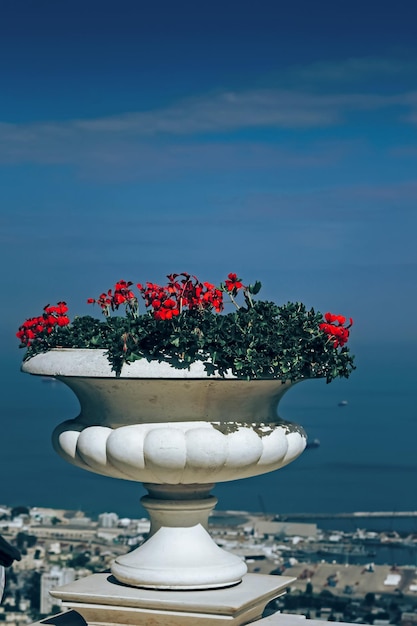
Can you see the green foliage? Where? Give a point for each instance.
(80, 559)
(258, 340)
(33, 590)
(24, 540)
(19, 510)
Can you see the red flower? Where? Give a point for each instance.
(340, 319)
(118, 299)
(50, 309)
(169, 304)
(233, 283)
(34, 328)
(63, 320)
(183, 291)
(335, 329)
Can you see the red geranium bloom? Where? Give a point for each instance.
(335, 328)
(118, 299)
(233, 282)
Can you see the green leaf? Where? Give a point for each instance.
(254, 289)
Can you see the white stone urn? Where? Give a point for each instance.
(178, 431)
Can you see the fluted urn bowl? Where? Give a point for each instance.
(178, 431)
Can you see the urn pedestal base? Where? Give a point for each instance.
(179, 553)
(101, 601)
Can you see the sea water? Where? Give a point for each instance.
(366, 460)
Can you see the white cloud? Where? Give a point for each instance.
(230, 111)
(225, 112)
(186, 133)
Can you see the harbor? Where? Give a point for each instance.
(357, 539)
(354, 515)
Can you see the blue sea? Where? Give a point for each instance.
(367, 459)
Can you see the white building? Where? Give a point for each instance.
(50, 580)
(108, 520)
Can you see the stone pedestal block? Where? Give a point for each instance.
(101, 601)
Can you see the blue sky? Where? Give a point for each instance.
(275, 140)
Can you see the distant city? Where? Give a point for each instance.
(361, 576)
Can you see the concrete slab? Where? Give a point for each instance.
(100, 600)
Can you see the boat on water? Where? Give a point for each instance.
(343, 403)
(345, 550)
(314, 443)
